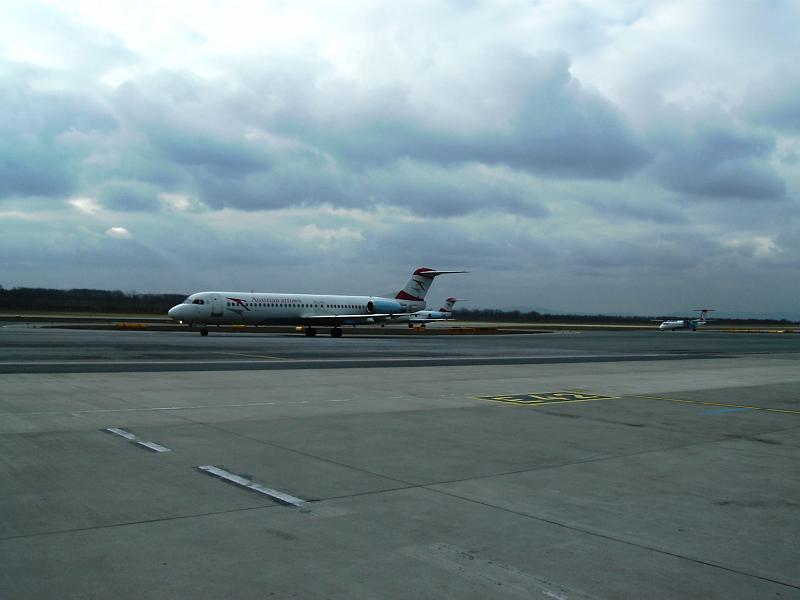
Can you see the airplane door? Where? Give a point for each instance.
(216, 306)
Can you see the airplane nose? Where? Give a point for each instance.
(174, 312)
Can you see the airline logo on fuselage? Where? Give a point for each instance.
(238, 301)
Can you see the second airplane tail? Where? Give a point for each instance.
(449, 304)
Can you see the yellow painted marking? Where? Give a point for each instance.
(251, 355)
(726, 404)
(547, 398)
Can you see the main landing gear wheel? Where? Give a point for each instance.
(336, 332)
(204, 331)
(310, 331)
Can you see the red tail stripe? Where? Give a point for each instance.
(403, 295)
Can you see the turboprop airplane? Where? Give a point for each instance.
(692, 324)
(421, 317)
(305, 310)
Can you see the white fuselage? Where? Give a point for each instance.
(252, 308)
(424, 316)
(681, 324)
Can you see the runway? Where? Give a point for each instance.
(597, 465)
(48, 350)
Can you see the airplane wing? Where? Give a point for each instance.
(415, 321)
(360, 319)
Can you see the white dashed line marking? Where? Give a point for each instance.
(276, 495)
(136, 440)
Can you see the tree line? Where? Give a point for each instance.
(86, 300)
(516, 316)
(117, 301)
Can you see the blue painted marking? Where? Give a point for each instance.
(724, 410)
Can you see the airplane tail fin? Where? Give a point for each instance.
(420, 283)
(703, 312)
(449, 303)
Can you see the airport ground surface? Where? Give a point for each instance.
(590, 465)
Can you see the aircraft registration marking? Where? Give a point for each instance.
(539, 398)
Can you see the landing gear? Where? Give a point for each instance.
(336, 332)
(310, 332)
(204, 332)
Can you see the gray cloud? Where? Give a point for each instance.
(665, 253)
(30, 168)
(568, 155)
(129, 196)
(83, 51)
(715, 158)
(643, 209)
(524, 111)
(775, 102)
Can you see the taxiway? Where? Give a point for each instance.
(597, 465)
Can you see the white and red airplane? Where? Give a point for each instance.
(306, 310)
(421, 317)
(692, 324)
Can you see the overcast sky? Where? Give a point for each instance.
(581, 156)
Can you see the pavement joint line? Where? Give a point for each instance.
(405, 485)
(244, 436)
(133, 523)
(725, 404)
(137, 440)
(240, 481)
(140, 409)
(251, 355)
(620, 540)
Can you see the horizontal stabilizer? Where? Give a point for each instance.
(362, 316)
(435, 273)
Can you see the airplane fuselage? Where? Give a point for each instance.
(424, 316)
(681, 324)
(249, 308)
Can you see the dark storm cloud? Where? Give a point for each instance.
(223, 157)
(497, 245)
(525, 111)
(348, 147)
(639, 209)
(30, 168)
(717, 160)
(60, 245)
(129, 196)
(667, 252)
(454, 192)
(173, 115)
(775, 102)
(297, 179)
(35, 155)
